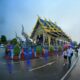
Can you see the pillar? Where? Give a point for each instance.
(35, 39)
(49, 40)
(43, 39)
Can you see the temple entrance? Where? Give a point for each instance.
(39, 39)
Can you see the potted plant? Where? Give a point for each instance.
(51, 50)
(38, 51)
(16, 52)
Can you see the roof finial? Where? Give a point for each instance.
(16, 34)
(50, 20)
(55, 23)
(45, 19)
(38, 16)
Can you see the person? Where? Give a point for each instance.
(70, 54)
(65, 56)
(7, 51)
(79, 48)
(76, 51)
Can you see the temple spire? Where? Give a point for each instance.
(17, 37)
(22, 29)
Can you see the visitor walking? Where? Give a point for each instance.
(7, 51)
(65, 56)
(70, 54)
(76, 51)
(79, 50)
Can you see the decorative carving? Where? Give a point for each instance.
(25, 35)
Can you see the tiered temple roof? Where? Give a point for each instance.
(50, 28)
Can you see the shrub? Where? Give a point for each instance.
(16, 50)
(60, 48)
(51, 49)
(38, 49)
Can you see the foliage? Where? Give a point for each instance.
(16, 50)
(51, 49)
(60, 48)
(38, 49)
(75, 43)
(14, 41)
(3, 39)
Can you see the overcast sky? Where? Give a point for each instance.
(14, 13)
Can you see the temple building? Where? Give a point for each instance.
(48, 33)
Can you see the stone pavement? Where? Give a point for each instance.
(36, 69)
(75, 73)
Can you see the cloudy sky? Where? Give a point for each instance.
(14, 13)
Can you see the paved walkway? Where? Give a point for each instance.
(75, 73)
(50, 68)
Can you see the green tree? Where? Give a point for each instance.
(14, 41)
(3, 39)
(75, 43)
